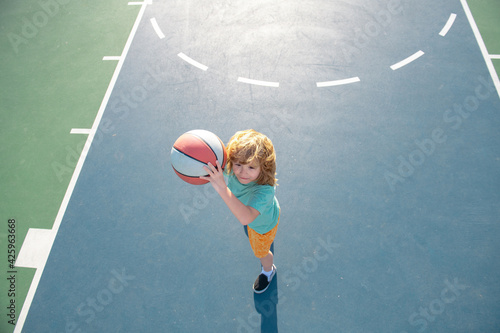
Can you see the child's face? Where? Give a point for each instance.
(246, 173)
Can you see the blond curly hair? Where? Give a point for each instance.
(247, 146)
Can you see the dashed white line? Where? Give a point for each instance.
(396, 66)
(448, 24)
(259, 83)
(337, 82)
(406, 61)
(157, 28)
(80, 131)
(112, 58)
(192, 61)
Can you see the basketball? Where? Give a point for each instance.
(192, 151)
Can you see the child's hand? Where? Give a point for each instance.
(244, 214)
(215, 176)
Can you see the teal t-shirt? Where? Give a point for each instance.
(260, 197)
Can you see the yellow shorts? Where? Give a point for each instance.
(261, 243)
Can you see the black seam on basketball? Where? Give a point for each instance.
(180, 173)
(191, 157)
(199, 137)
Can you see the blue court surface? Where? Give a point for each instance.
(385, 121)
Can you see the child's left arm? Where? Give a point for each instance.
(244, 214)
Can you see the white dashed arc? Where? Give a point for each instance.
(323, 84)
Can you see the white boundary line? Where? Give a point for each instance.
(192, 61)
(448, 25)
(259, 83)
(157, 29)
(482, 46)
(406, 61)
(69, 191)
(337, 82)
(495, 56)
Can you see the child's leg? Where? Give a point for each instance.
(261, 246)
(267, 262)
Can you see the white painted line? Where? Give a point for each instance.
(192, 61)
(69, 191)
(494, 56)
(157, 28)
(36, 248)
(111, 58)
(406, 61)
(448, 24)
(80, 131)
(482, 46)
(259, 83)
(135, 3)
(337, 82)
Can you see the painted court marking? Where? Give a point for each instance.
(448, 25)
(140, 3)
(398, 65)
(259, 83)
(157, 29)
(337, 82)
(192, 61)
(408, 60)
(40, 261)
(36, 248)
(111, 58)
(80, 131)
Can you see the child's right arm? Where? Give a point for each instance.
(244, 214)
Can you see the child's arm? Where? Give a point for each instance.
(244, 214)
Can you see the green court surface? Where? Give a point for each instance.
(53, 80)
(487, 15)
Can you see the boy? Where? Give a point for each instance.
(250, 194)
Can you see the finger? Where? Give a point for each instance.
(210, 167)
(215, 168)
(221, 167)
